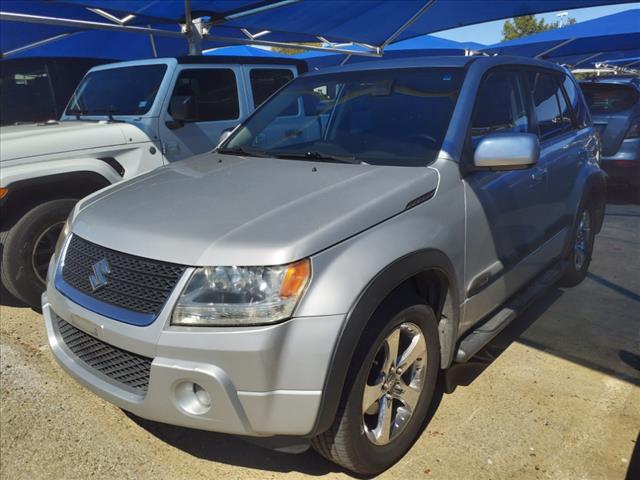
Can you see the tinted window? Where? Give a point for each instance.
(607, 98)
(382, 117)
(121, 91)
(266, 81)
(544, 90)
(211, 94)
(575, 100)
(26, 93)
(566, 116)
(500, 105)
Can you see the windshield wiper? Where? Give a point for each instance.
(247, 151)
(323, 157)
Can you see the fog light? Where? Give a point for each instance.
(193, 398)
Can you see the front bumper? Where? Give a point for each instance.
(262, 381)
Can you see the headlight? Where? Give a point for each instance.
(223, 296)
(63, 236)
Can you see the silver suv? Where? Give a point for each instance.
(363, 230)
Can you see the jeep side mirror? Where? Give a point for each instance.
(507, 151)
(181, 111)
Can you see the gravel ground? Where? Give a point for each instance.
(555, 396)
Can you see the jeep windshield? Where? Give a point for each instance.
(378, 117)
(117, 91)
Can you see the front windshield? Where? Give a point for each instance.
(380, 117)
(117, 91)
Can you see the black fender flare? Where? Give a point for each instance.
(364, 307)
(28, 192)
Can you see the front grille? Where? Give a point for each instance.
(124, 367)
(134, 283)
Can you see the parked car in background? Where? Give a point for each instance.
(123, 119)
(614, 103)
(34, 90)
(357, 234)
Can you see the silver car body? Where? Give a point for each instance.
(365, 228)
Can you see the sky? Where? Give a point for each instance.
(491, 32)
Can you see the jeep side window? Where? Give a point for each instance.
(208, 94)
(544, 90)
(500, 105)
(266, 81)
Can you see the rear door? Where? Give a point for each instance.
(613, 107)
(214, 93)
(561, 149)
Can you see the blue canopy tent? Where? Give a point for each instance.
(594, 38)
(414, 47)
(363, 27)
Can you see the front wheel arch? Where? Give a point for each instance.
(428, 273)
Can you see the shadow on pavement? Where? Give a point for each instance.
(234, 450)
(239, 451)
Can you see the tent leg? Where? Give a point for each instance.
(195, 35)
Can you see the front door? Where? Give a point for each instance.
(215, 104)
(504, 215)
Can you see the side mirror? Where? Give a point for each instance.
(181, 110)
(226, 133)
(507, 151)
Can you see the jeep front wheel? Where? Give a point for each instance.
(27, 247)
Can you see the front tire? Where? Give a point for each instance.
(387, 397)
(581, 249)
(27, 247)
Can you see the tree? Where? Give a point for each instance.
(527, 25)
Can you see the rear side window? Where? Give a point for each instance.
(576, 102)
(500, 106)
(266, 81)
(608, 98)
(212, 94)
(546, 101)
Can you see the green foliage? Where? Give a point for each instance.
(528, 25)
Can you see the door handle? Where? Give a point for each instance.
(538, 175)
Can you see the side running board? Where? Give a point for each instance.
(478, 338)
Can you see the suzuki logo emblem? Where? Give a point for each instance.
(99, 277)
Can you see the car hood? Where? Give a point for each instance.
(225, 210)
(22, 141)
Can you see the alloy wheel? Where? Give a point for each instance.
(583, 237)
(394, 384)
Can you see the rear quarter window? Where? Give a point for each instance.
(607, 98)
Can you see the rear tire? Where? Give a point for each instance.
(27, 247)
(358, 439)
(581, 248)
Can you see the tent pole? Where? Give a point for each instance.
(407, 24)
(268, 43)
(152, 40)
(84, 24)
(590, 57)
(554, 48)
(40, 43)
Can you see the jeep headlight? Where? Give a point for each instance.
(225, 296)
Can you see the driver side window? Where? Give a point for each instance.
(500, 106)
